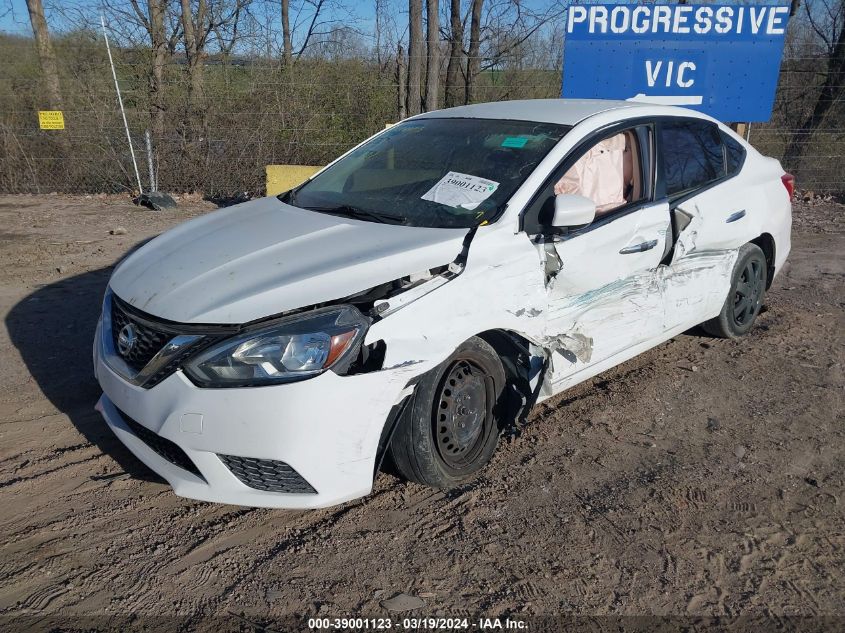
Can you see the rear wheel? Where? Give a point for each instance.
(450, 428)
(748, 285)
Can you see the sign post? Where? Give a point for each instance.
(721, 59)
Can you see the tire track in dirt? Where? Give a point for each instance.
(46, 473)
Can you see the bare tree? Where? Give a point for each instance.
(287, 42)
(135, 24)
(377, 33)
(339, 43)
(415, 39)
(46, 55)
(155, 22)
(318, 26)
(400, 82)
(456, 54)
(432, 69)
(227, 37)
(199, 19)
(474, 52)
(158, 38)
(827, 20)
(510, 34)
(195, 33)
(386, 35)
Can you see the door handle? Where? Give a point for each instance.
(638, 248)
(733, 217)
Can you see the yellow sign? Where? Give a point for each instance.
(51, 120)
(281, 178)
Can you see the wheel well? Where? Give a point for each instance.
(515, 352)
(767, 244)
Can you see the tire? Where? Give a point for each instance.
(450, 428)
(743, 303)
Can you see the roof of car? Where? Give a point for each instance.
(562, 111)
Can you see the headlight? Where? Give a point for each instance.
(293, 348)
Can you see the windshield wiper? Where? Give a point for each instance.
(345, 210)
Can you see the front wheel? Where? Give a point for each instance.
(451, 427)
(748, 285)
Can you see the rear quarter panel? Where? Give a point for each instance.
(756, 194)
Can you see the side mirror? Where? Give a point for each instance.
(573, 210)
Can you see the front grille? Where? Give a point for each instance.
(170, 367)
(148, 343)
(163, 447)
(267, 474)
(152, 336)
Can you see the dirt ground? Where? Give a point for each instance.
(705, 477)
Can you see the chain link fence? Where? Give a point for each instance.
(256, 113)
(816, 157)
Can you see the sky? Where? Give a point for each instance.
(16, 20)
(359, 14)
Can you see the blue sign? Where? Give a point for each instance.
(720, 59)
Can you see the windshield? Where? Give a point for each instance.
(442, 173)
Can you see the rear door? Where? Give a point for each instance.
(709, 215)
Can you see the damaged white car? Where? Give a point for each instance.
(427, 288)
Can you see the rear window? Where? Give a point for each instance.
(692, 155)
(734, 154)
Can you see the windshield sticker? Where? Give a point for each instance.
(461, 190)
(517, 142)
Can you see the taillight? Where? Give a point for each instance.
(788, 181)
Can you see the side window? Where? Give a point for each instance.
(734, 154)
(692, 155)
(610, 173)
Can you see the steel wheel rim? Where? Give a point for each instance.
(749, 292)
(461, 415)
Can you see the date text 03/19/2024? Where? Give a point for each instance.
(413, 624)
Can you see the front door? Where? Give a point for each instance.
(602, 282)
(606, 296)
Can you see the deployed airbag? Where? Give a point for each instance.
(598, 174)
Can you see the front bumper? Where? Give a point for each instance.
(326, 428)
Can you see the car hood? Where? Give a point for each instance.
(265, 257)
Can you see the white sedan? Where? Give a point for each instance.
(425, 289)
